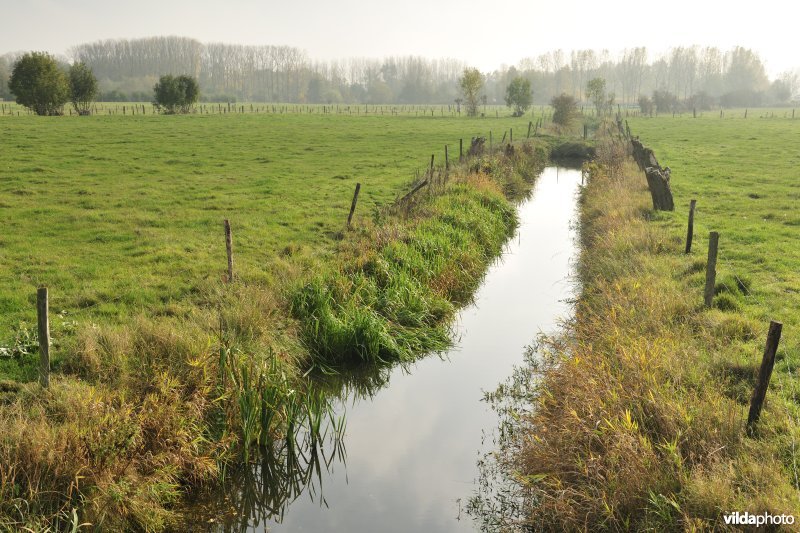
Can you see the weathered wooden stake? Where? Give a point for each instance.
(460, 149)
(585, 131)
(764, 373)
(414, 190)
(530, 125)
(229, 249)
(44, 336)
(511, 137)
(432, 156)
(690, 230)
(446, 159)
(711, 267)
(355, 200)
(745, 113)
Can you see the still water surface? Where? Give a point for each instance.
(414, 435)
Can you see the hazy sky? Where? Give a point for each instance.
(484, 33)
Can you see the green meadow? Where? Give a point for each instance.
(119, 215)
(744, 175)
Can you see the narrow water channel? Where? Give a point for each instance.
(414, 435)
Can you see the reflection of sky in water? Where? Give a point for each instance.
(412, 449)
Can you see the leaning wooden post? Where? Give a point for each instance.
(530, 125)
(229, 249)
(711, 267)
(353, 205)
(764, 373)
(44, 336)
(690, 230)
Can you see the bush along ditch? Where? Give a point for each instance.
(139, 416)
(633, 417)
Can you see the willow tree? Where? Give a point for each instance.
(82, 87)
(39, 84)
(471, 84)
(176, 94)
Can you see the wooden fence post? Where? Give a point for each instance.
(446, 159)
(229, 249)
(355, 200)
(511, 138)
(690, 230)
(711, 267)
(530, 125)
(44, 336)
(585, 131)
(461, 149)
(432, 156)
(764, 373)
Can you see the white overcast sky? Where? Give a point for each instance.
(486, 33)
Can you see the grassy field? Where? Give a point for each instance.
(744, 176)
(119, 215)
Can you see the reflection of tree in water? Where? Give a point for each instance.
(297, 464)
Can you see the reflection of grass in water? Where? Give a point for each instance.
(499, 500)
(287, 468)
(277, 469)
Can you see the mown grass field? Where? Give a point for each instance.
(123, 214)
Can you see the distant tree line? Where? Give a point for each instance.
(268, 73)
(685, 77)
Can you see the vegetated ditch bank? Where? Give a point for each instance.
(408, 459)
(143, 414)
(634, 419)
